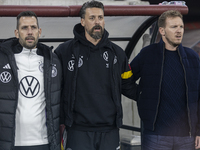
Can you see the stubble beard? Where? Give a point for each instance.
(26, 45)
(172, 43)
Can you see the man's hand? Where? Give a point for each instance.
(197, 142)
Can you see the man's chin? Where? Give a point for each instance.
(96, 37)
(178, 43)
(96, 33)
(29, 46)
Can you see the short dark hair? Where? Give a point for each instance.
(168, 14)
(26, 14)
(90, 4)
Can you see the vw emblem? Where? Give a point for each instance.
(105, 56)
(71, 65)
(29, 86)
(5, 77)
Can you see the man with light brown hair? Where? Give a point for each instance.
(168, 93)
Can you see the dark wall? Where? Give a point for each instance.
(193, 6)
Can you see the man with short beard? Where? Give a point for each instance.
(30, 88)
(168, 93)
(96, 71)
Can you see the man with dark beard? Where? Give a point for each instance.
(96, 71)
(30, 89)
(168, 91)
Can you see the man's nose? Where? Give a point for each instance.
(30, 30)
(97, 20)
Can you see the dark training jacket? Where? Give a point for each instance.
(9, 88)
(148, 66)
(120, 73)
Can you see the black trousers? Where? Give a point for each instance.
(81, 140)
(38, 147)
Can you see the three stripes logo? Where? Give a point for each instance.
(29, 86)
(7, 66)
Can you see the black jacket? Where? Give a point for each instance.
(148, 66)
(120, 73)
(9, 86)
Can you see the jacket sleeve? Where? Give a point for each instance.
(198, 125)
(135, 66)
(129, 87)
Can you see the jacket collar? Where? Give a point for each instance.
(12, 45)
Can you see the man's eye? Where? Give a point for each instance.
(24, 28)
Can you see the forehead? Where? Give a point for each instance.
(24, 20)
(94, 11)
(174, 21)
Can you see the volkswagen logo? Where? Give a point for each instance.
(29, 86)
(5, 77)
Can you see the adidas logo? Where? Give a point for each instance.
(7, 66)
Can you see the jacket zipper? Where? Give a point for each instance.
(50, 65)
(113, 86)
(159, 90)
(189, 120)
(76, 61)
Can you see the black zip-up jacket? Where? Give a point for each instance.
(9, 88)
(120, 74)
(148, 66)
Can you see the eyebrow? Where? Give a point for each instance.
(95, 15)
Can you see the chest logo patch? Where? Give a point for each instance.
(71, 65)
(115, 60)
(80, 61)
(72, 62)
(54, 70)
(29, 86)
(5, 77)
(105, 56)
(41, 65)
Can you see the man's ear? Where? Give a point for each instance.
(16, 33)
(82, 22)
(162, 31)
(40, 32)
